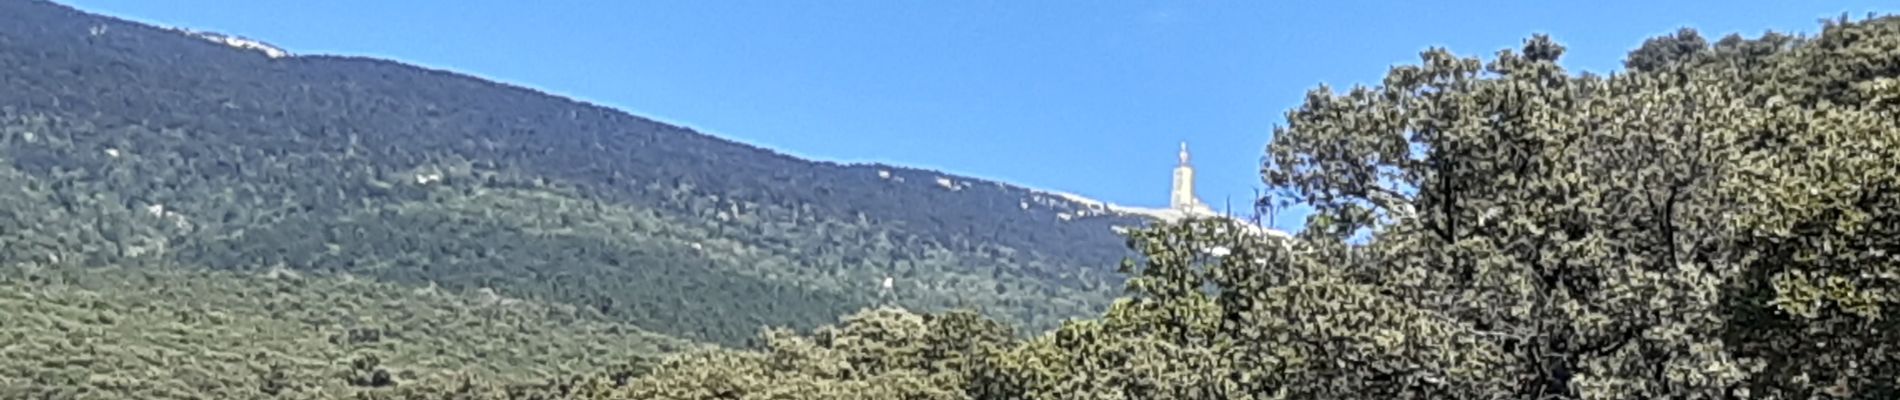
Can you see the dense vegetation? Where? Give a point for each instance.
(155, 147)
(151, 333)
(1718, 221)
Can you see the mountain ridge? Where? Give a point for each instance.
(277, 52)
(304, 161)
(693, 134)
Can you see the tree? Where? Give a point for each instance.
(1655, 233)
(877, 353)
(1818, 300)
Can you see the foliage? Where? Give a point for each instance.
(146, 333)
(1715, 223)
(1256, 320)
(881, 354)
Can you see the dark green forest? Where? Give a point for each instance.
(1720, 219)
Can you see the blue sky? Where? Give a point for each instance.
(1084, 97)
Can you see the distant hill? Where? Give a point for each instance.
(151, 146)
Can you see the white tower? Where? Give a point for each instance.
(1182, 197)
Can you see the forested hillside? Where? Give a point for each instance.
(152, 146)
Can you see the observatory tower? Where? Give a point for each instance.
(1181, 198)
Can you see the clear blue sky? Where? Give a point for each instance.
(1080, 96)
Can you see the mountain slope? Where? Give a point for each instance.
(165, 333)
(238, 159)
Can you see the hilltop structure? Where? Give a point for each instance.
(1182, 198)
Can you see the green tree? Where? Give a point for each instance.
(874, 354)
(1714, 223)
